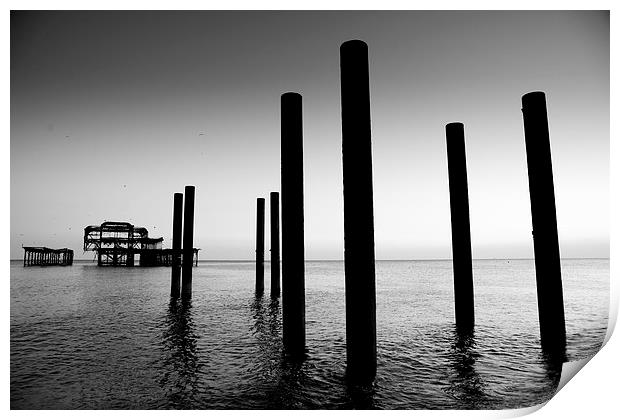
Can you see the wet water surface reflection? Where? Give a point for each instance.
(91, 338)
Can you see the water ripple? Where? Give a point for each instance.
(83, 337)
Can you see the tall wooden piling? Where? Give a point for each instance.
(461, 235)
(177, 231)
(188, 242)
(260, 245)
(274, 207)
(359, 242)
(544, 223)
(293, 282)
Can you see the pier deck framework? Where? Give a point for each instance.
(43, 256)
(117, 244)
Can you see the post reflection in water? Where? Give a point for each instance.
(267, 327)
(553, 366)
(283, 377)
(181, 359)
(360, 397)
(466, 385)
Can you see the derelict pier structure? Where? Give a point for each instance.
(117, 244)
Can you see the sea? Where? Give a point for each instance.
(88, 337)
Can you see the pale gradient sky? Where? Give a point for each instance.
(107, 110)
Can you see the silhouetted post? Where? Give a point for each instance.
(177, 232)
(274, 206)
(293, 283)
(544, 223)
(461, 236)
(260, 245)
(359, 242)
(188, 242)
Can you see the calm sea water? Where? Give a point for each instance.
(85, 337)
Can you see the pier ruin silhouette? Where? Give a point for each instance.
(461, 235)
(177, 229)
(544, 224)
(188, 242)
(274, 209)
(260, 245)
(116, 244)
(292, 196)
(359, 241)
(42, 256)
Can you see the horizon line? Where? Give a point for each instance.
(377, 259)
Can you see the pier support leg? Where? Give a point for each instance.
(177, 231)
(359, 242)
(461, 235)
(293, 276)
(544, 223)
(188, 242)
(260, 245)
(274, 207)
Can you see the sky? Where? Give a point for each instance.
(114, 112)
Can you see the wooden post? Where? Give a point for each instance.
(177, 232)
(293, 276)
(359, 243)
(188, 242)
(260, 245)
(544, 223)
(274, 207)
(461, 236)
